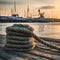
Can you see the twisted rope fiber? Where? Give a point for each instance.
(29, 31)
(18, 38)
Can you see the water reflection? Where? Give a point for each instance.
(51, 30)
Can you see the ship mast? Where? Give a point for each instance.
(13, 12)
(24, 13)
(14, 7)
(28, 11)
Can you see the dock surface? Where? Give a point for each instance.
(39, 53)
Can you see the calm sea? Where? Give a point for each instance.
(51, 30)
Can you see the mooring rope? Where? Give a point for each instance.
(26, 30)
(46, 43)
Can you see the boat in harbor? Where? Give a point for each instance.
(16, 18)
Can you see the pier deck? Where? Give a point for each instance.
(39, 53)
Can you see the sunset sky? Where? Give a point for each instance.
(34, 5)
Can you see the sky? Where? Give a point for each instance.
(21, 7)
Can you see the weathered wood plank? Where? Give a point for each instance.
(1, 58)
(40, 53)
(8, 56)
(34, 54)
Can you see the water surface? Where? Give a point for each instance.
(51, 30)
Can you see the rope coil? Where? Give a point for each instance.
(21, 38)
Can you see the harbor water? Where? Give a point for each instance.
(50, 30)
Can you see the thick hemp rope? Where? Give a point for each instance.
(18, 38)
(26, 31)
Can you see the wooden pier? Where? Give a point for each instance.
(41, 52)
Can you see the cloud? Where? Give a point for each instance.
(21, 2)
(12, 1)
(5, 2)
(47, 7)
(47, 2)
(44, 1)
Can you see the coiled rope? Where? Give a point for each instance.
(17, 29)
